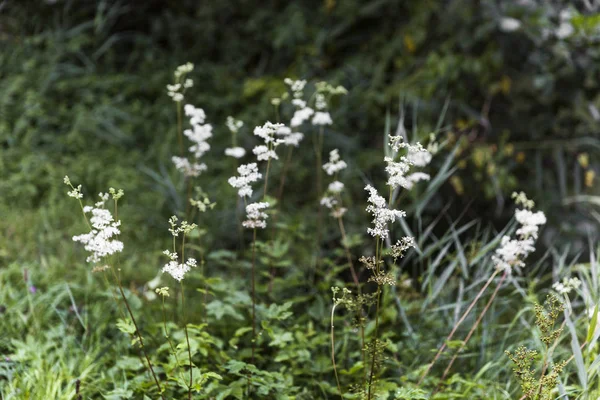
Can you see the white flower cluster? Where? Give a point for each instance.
(175, 269)
(256, 217)
(198, 135)
(302, 114)
(288, 137)
(267, 133)
(332, 197)
(177, 90)
(322, 118)
(234, 126)
(566, 285)
(235, 152)
(75, 192)
(100, 240)
(335, 164)
(189, 169)
(381, 214)
(512, 252)
(296, 86)
(248, 174)
(397, 170)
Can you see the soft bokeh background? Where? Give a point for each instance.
(510, 87)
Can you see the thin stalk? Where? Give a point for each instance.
(286, 166)
(179, 128)
(474, 327)
(173, 350)
(460, 321)
(318, 145)
(253, 294)
(376, 333)
(337, 379)
(139, 335)
(348, 254)
(187, 338)
(183, 315)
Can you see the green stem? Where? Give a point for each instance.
(253, 294)
(187, 337)
(337, 379)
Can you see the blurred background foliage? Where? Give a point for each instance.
(82, 91)
(510, 87)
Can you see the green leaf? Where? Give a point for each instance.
(126, 326)
(593, 325)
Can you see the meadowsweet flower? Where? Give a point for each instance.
(335, 187)
(188, 169)
(399, 249)
(567, 285)
(381, 214)
(512, 252)
(256, 217)
(183, 69)
(248, 174)
(233, 124)
(100, 241)
(328, 201)
(300, 116)
(335, 163)
(322, 118)
(175, 269)
(263, 153)
(235, 152)
(289, 138)
(320, 102)
(198, 135)
(197, 115)
(398, 170)
(267, 131)
(299, 103)
(296, 86)
(418, 157)
(530, 222)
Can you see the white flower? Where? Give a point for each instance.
(235, 152)
(512, 252)
(508, 24)
(288, 137)
(233, 124)
(177, 97)
(335, 164)
(99, 241)
(183, 69)
(248, 174)
(335, 187)
(322, 118)
(320, 103)
(177, 270)
(299, 103)
(418, 156)
(263, 153)
(530, 222)
(413, 178)
(256, 218)
(198, 135)
(566, 285)
(197, 115)
(381, 214)
(328, 201)
(189, 169)
(300, 116)
(267, 131)
(295, 86)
